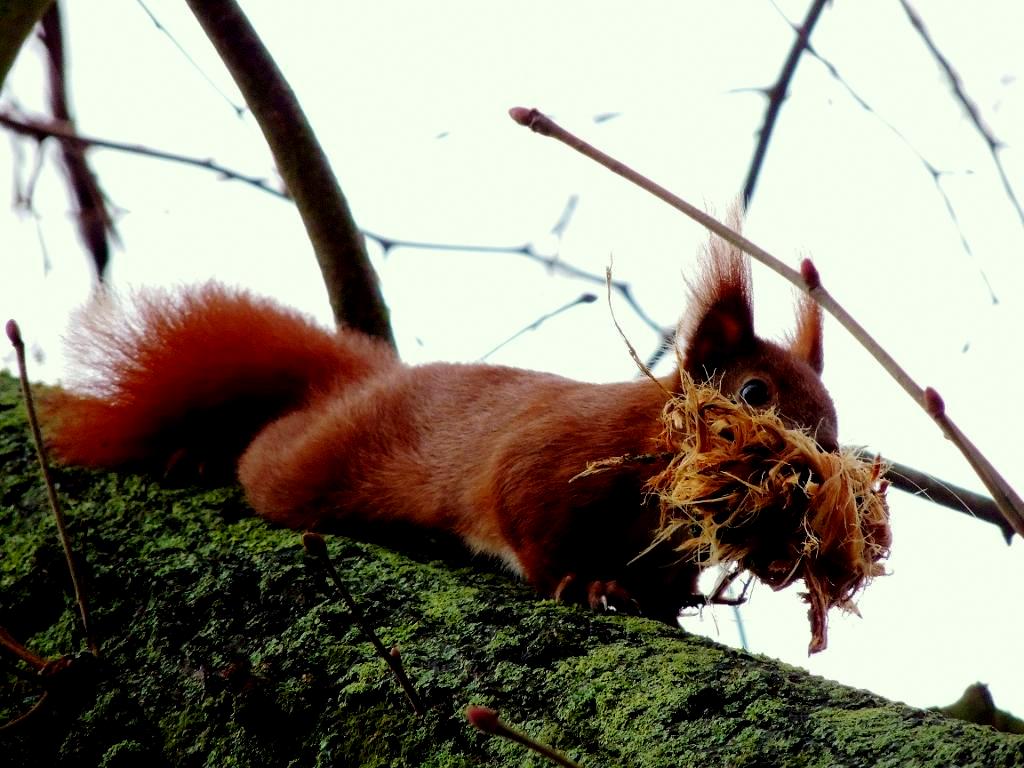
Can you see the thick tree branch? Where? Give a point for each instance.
(222, 647)
(352, 284)
(937, 491)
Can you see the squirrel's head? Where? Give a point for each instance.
(716, 342)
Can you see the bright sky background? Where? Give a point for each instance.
(410, 101)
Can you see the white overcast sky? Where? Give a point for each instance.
(410, 101)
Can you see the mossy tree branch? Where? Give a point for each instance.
(224, 646)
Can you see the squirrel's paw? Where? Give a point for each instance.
(599, 595)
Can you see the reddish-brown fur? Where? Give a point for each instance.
(332, 427)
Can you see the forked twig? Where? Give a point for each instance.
(553, 263)
(808, 280)
(933, 172)
(777, 95)
(14, 334)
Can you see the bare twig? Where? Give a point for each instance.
(527, 250)
(934, 173)
(352, 284)
(777, 95)
(238, 108)
(487, 721)
(14, 334)
(94, 221)
(40, 128)
(34, 660)
(994, 144)
(808, 280)
(315, 546)
(583, 298)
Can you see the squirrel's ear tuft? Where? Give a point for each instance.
(719, 319)
(807, 343)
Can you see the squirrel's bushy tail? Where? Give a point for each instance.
(191, 377)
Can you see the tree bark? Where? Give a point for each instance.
(223, 644)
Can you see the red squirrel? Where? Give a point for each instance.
(329, 427)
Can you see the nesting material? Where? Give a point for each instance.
(742, 488)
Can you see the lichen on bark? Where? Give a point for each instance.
(222, 644)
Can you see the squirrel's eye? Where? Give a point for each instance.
(755, 392)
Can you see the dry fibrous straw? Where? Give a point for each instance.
(1011, 506)
(742, 488)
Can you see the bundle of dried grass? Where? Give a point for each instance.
(743, 488)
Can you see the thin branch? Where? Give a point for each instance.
(34, 660)
(39, 129)
(808, 280)
(486, 720)
(527, 250)
(14, 334)
(315, 545)
(994, 144)
(238, 108)
(352, 284)
(583, 298)
(777, 95)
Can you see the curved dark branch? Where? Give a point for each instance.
(95, 224)
(777, 95)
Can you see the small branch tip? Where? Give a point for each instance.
(14, 334)
(314, 544)
(933, 403)
(482, 718)
(521, 115)
(810, 275)
(533, 119)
